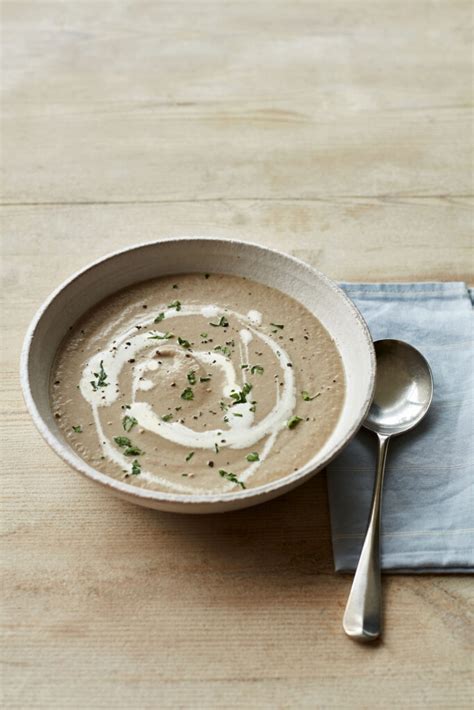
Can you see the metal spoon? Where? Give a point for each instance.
(403, 393)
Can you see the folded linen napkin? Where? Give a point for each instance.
(428, 501)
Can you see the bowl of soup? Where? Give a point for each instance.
(196, 374)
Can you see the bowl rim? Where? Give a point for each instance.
(77, 463)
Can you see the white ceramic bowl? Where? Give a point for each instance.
(173, 256)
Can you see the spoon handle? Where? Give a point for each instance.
(363, 616)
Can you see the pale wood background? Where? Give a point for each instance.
(339, 131)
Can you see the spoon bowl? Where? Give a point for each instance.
(403, 388)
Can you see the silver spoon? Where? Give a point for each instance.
(403, 394)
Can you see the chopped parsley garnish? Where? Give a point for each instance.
(293, 421)
(205, 379)
(223, 349)
(175, 304)
(125, 443)
(132, 451)
(122, 441)
(128, 422)
(244, 367)
(237, 414)
(167, 417)
(231, 477)
(216, 446)
(307, 397)
(184, 343)
(187, 393)
(223, 322)
(256, 369)
(241, 396)
(101, 378)
(77, 429)
(159, 318)
(165, 336)
(136, 468)
(192, 377)
(253, 456)
(278, 326)
(203, 335)
(189, 456)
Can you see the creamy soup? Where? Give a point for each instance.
(197, 383)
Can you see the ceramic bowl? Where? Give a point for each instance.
(173, 256)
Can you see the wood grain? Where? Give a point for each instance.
(338, 131)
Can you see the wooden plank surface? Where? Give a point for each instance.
(339, 131)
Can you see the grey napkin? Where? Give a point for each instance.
(428, 501)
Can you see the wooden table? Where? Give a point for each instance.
(339, 131)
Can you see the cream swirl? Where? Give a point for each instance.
(237, 432)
